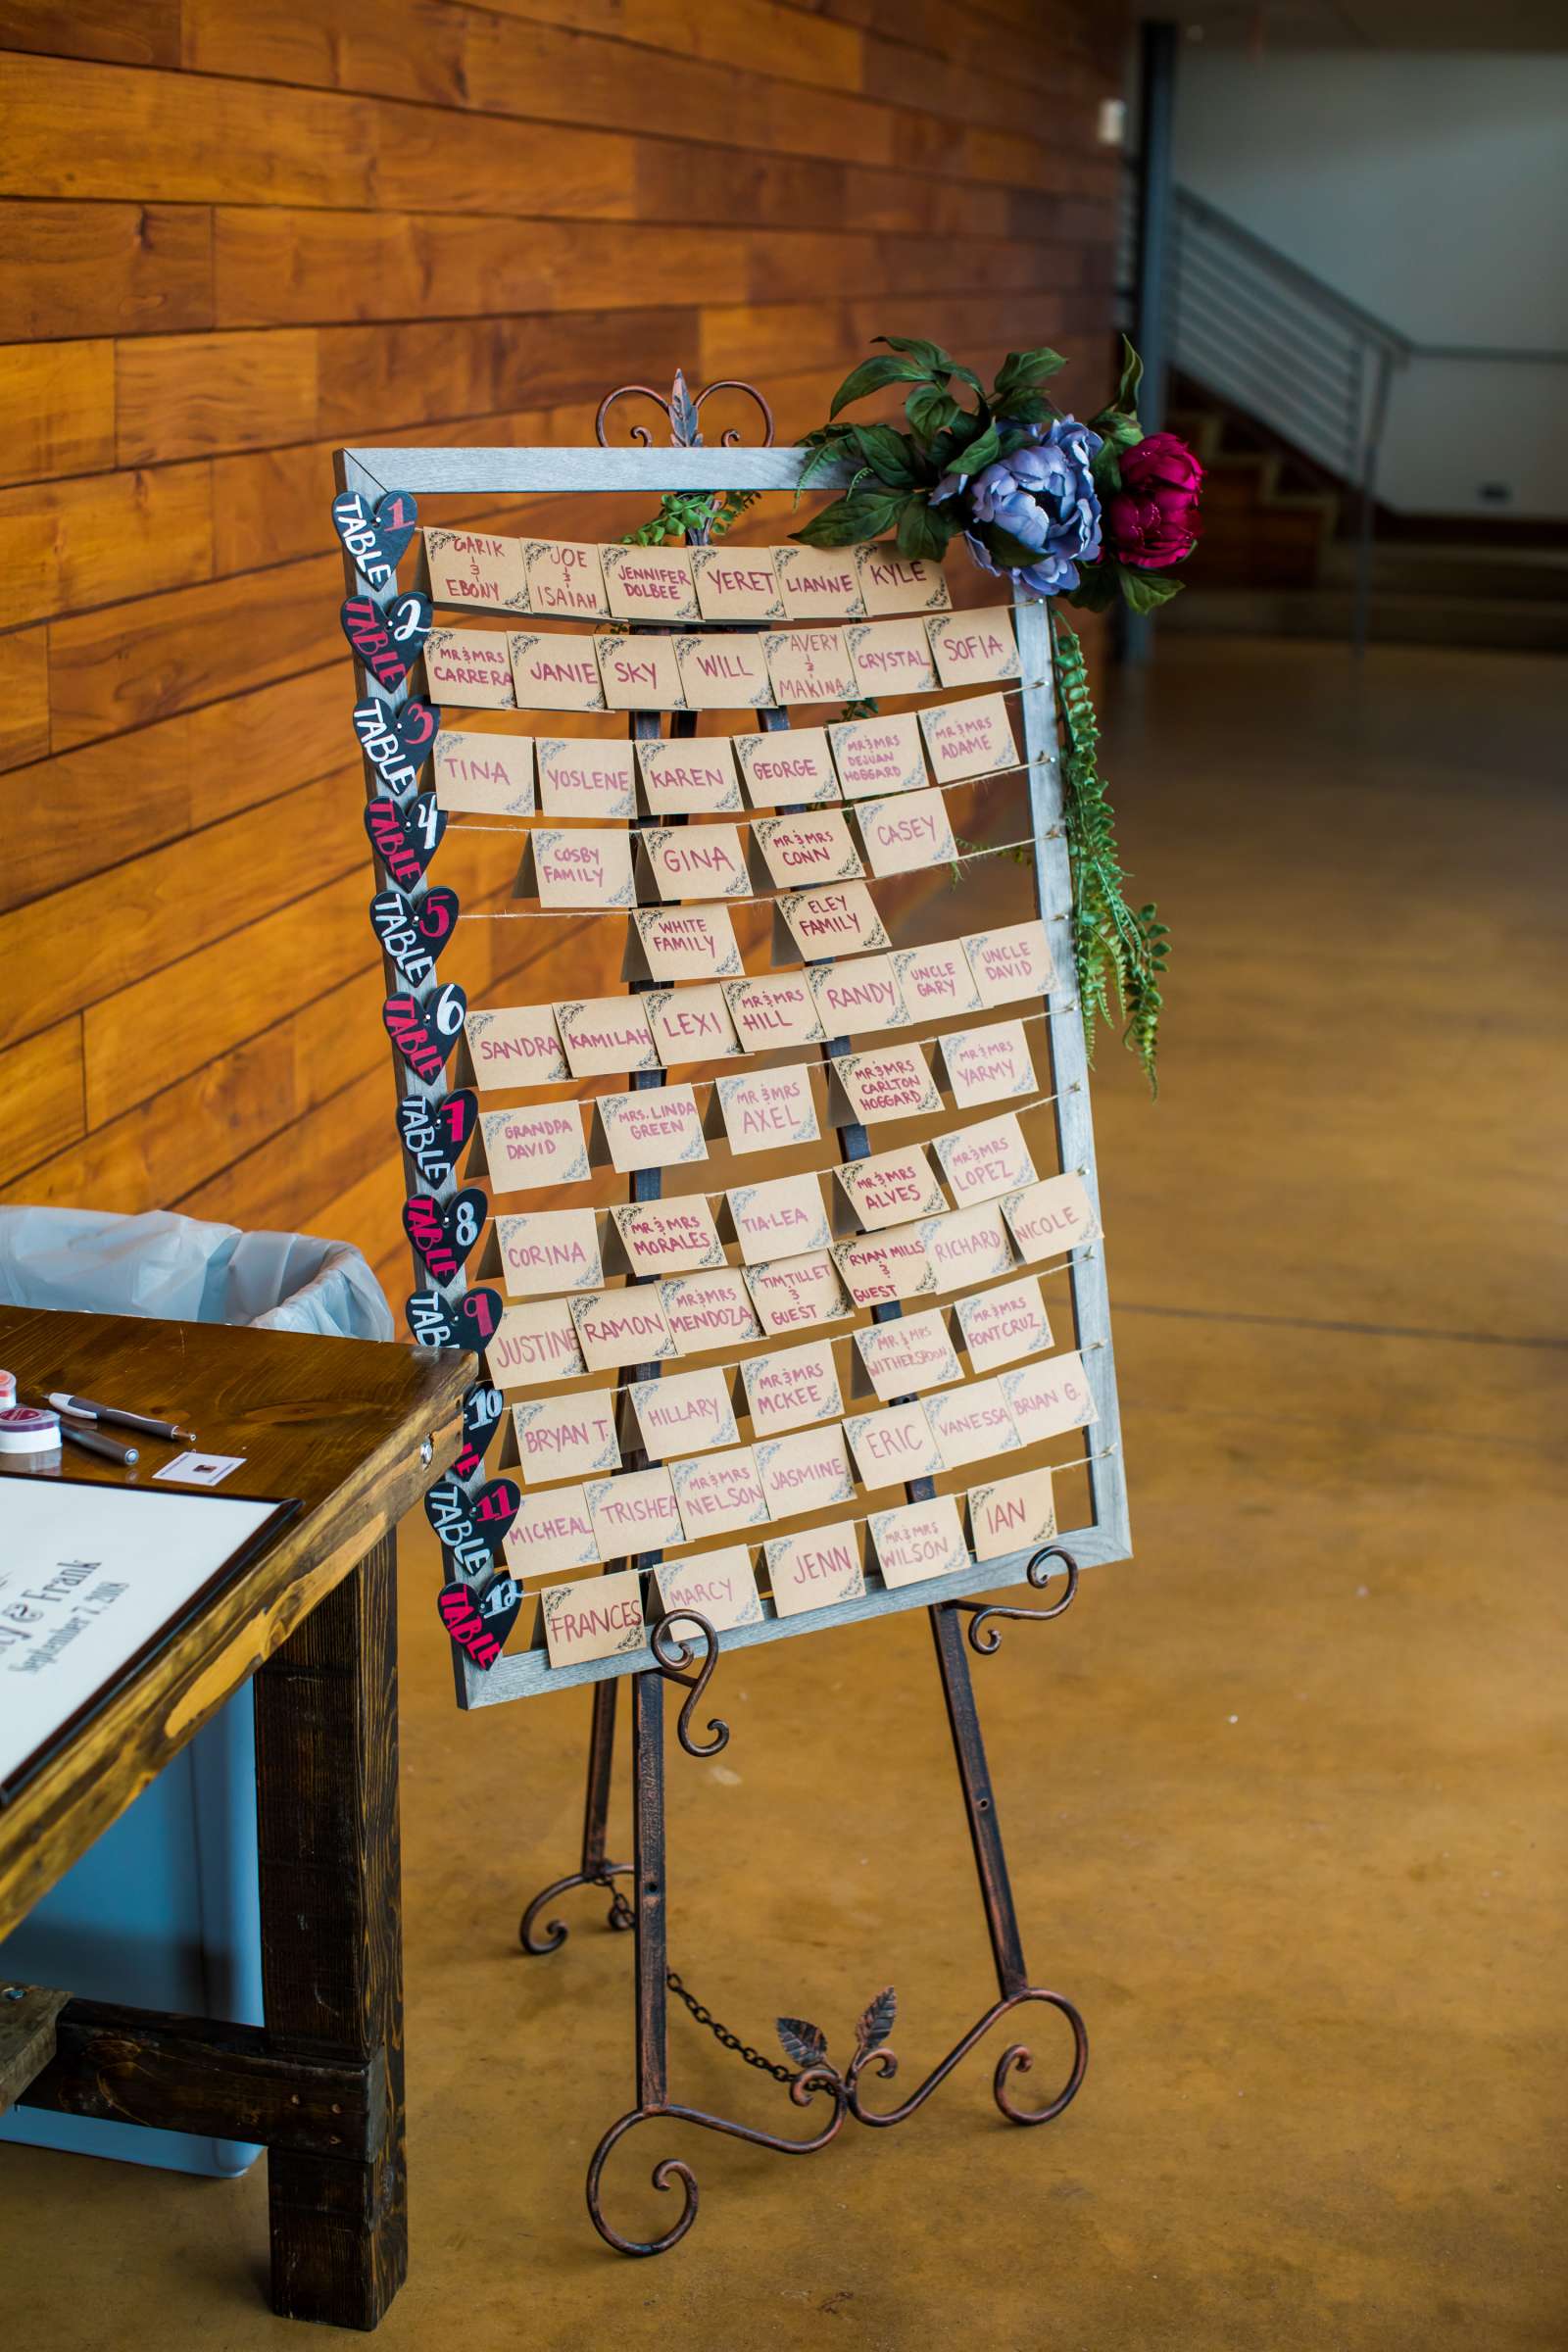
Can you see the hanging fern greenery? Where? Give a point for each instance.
(699, 514)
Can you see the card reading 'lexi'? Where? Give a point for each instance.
(554, 672)
(838, 920)
(780, 1220)
(552, 1534)
(668, 1237)
(685, 1412)
(919, 1540)
(807, 1471)
(891, 1187)
(470, 668)
(809, 665)
(622, 1327)
(649, 583)
(579, 867)
(1011, 963)
(723, 672)
(578, 777)
(736, 583)
(597, 1617)
(1015, 1514)
(775, 1008)
(971, 1424)
(913, 1354)
(936, 980)
(634, 1512)
(534, 1342)
(891, 1082)
(970, 1246)
(973, 649)
(764, 1109)
(689, 774)
(690, 1024)
(790, 764)
(515, 1045)
(696, 861)
(793, 1293)
(819, 584)
(712, 1310)
(813, 848)
(1049, 1396)
(999, 1326)
(567, 1437)
(483, 775)
(720, 1585)
(893, 584)
(717, 1493)
(988, 1065)
(599, 1034)
(540, 1144)
(891, 656)
(657, 1129)
(879, 1268)
(907, 833)
(687, 943)
(815, 1570)
(792, 1386)
(968, 739)
(547, 1252)
(638, 673)
(470, 567)
(878, 756)
(1050, 1217)
(893, 1445)
(985, 1159)
(563, 576)
(860, 994)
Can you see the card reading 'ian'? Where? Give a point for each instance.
(1015, 1514)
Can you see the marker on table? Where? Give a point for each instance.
(112, 1413)
(91, 1442)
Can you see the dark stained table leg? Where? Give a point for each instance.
(327, 1775)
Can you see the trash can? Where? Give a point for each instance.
(162, 1911)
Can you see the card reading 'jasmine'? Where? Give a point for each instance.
(806, 1472)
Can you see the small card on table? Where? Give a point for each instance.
(764, 1109)
(578, 777)
(966, 739)
(720, 1585)
(792, 1386)
(974, 649)
(555, 672)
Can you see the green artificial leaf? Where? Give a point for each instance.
(826, 445)
(1132, 375)
(924, 531)
(872, 375)
(1147, 591)
(981, 451)
(887, 453)
(935, 362)
(863, 515)
(1097, 587)
(931, 411)
(1027, 408)
(1118, 428)
(1025, 371)
(1105, 469)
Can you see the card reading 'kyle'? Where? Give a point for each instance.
(858, 995)
(690, 1024)
(907, 833)
(712, 1310)
(891, 656)
(687, 943)
(690, 775)
(668, 1237)
(634, 1512)
(578, 777)
(696, 861)
(970, 1246)
(720, 1585)
(792, 1388)
(567, 1437)
(649, 583)
(971, 1424)
(893, 584)
(717, 1493)
(878, 755)
(657, 1129)
(988, 1065)
(574, 866)
(919, 1540)
(936, 980)
(532, 1342)
(515, 1045)
(985, 1159)
(600, 1034)
(809, 665)
(1015, 1514)
(547, 1252)
(764, 1109)
(779, 1219)
(483, 775)
(1011, 963)
(555, 672)
(974, 649)
(891, 1082)
(911, 1354)
(815, 1570)
(891, 1188)
(1001, 1325)
(540, 1144)
(469, 567)
(736, 583)
(775, 1008)
(893, 1445)
(839, 920)
(793, 1293)
(879, 1268)
(968, 739)
(807, 1471)
(552, 1534)
(793, 764)
(563, 576)
(471, 668)
(597, 1617)
(638, 673)
(819, 584)
(1050, 1217)
(1048, 1397)
(723, 672)
(808, 849)
(615, 1328)
(685, 1412)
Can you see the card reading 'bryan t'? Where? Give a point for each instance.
(567, 1437)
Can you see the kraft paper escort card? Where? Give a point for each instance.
(723, 673)
(542, 1145)
(791, 1388)
(685, 1412)
(533, 1342)
(891, 656)
(809, 665)
(790, 764)
(968, 739)
(793, 1293)
(668, 1237)
(598, 1617)
(690, 1024)
(736, 583)
(564, 576)
(891, 1188)
(858, 995)
(712, 1310)
(1015, 1514)
(638, 673)
(815, 1570)
(812, 849)
(720, 1585)
(649, 583)
(658, 1129)
(574, 868)
(893, 1445)
(973, 649)
(717, 1493)
(984, 1161)
(780, 1220)
(684, 943)
(1011, 963)
(602, 1034)
(552, 1534)
(578, 777)
(565, 1437)
(936, 980)
(1048, 1397)
(889, 1082)
(765, 1110)
(470, 667)
(555, 672)
(696, 861)
(515, 1045)
(547, 1251)
(919, 1540)
(775, 1008)
(893, 584)
(690, 775)
(836, 920)
(904, 835)
(806, 1472)
(971, 1424)
(1050, 1217)
(880, 1267)
(988, 1065)
(627, 1326)
(469, 567)
(913, 1354)
(1001, 1325)
(819, 584)
(970, 1246)
(878, 755)
(633, 1512)
(483, 775)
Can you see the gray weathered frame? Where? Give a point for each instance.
(1107, 1536)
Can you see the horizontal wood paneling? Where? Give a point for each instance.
(232, 238)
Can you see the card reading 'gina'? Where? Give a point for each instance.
(578, 777)
(540, 1144)
(764, 1109)
(919, 1540)
(787, 764)
(685, 1412)
(622, 1327)
(792, 1386)
(554, 672)
(913, 1354)
(658, 1129)
(815, 1570)
(483, 775)
(565, 1437)
(696, 861)
(547, 1252)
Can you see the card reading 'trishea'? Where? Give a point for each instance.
(633, 1512)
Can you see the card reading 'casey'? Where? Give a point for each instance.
(907, 833)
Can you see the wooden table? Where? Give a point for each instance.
(355, 1431)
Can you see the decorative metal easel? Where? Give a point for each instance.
(676, 1661)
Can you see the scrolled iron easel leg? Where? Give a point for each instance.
(593, 1870)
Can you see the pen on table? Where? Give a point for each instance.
(91, 1442)
(112, 1413)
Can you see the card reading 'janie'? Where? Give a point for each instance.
(712, 1310)
(891, 1187)
(649, 583)
(809, 665)
(615, 1328)
(687, 943)
(668, 1237)
(889, 1082)
(792, 1388)
(723, 672)
(985, 1159)
(542, 1144)
(515, 1045)
(563, 576)
(775, 1008)
(685, 1412)
(837, 920)
(717, 1493)
(720, 1585)
(547, 1252)
(764, 1109)
(567, 1437)
(988, 1065)
(815, 847)
(919, 1540)
(778, 1219)
(973, 649)
(469, 668)
(968, 739)
(599, 1617)
(555, 672)
(911, 1354)
(578, 777)
(878, 755)
(1001, 1325)
(483, 775)
(657, 1129)
(688, 775)
(815, 1570)
(600, 1034)
(790, 764)
(736, 583)
(893, 584)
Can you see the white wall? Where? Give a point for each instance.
(1433, 190)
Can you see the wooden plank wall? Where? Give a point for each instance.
(239, 232)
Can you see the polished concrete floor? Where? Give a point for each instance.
(1283, 1795)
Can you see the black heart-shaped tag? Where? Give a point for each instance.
(484, 1516)
(424, 1029)
(377, 538)
(390, 642)
(414, 931)
(397, 743)
(433, 1134)
(482, 1408)
(479, 1622)
(467, 1322)
(404, 835)
(444, 1231)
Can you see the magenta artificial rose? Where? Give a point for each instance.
(1151, 520)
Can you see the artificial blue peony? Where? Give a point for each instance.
(1045, 495)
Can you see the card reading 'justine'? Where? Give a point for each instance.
(483, 775)
(515, 1045)
(547, 1252)
(620, 1327)
(790, 764)
(534, 1342)
(791, 1388)
(555, 672)
(657, 1129)
(919, 1540)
